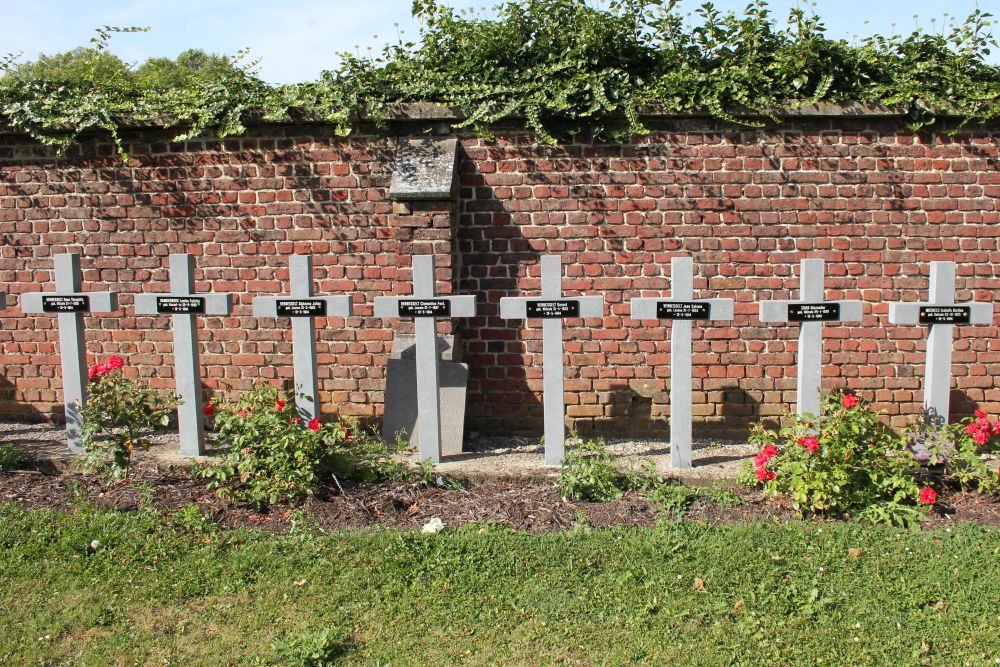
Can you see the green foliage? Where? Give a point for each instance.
(721, 495)
(117, 418)
(674, 499)
(192, 519)
(588, 473)
(843, 462)
(774, 594)
(960, 451)
(313, 648)
(561, 66)
(745, 476)
(10, 458)
(274, 457)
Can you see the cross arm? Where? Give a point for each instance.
(100, 302)
(644, 308)
(336, 306)
(215, 304)
(777, 311)
(909, 312)
(461, 306)
(516, 307)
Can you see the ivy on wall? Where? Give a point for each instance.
(564, 66)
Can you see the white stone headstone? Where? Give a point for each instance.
(303, 308)
(552, 308)
(940, 313)
(682, 309)
(184, 305)
(811, 312)
(70, 303)
(425, 307)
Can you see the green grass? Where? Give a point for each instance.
(798, 593)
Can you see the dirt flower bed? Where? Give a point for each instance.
(528, 506)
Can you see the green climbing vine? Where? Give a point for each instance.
(561, 66)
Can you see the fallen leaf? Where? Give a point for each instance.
(699, 584)
(738, 605)
(854, 553)
(299, 583)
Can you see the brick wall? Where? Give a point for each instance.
(877, 202)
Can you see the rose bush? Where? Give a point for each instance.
(964, 453)
(843, 462)
(117, 416)
(273, 456)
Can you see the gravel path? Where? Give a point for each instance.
(492, 457)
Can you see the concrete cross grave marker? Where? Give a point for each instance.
(425, 307)
(70, 303)
(302, 307)
(552, 308)
(812, 312)
(940, 313)
(184, 305)
(682, 309)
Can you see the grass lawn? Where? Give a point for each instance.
(682, 594)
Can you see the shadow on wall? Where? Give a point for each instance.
(12, 409)
(960, 405)
(629, 413)
(492, 249)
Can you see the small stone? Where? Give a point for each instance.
(433, 526)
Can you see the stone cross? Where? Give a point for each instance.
(302, 307)
(682, 309)
(941, 314)
(812, 312)
(552, 308)
(184, 305)
(69, 302)
(425, 307)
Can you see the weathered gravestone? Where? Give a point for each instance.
(184, 305)
(425, 307)
(811, 312)
(682, 309)
(401, 392)
(552, 308)
(69, 303)
(302, 307)
(940, 314)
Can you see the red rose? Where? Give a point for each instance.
(314, 424)
(849, 400)
(928, 495)
(98, 370)
(279, 406)
(764, 475)
(981, 415)
(208, 410)
(810, 443)
(765, 455)
(115, 363)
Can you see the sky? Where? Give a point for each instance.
(296, 39)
